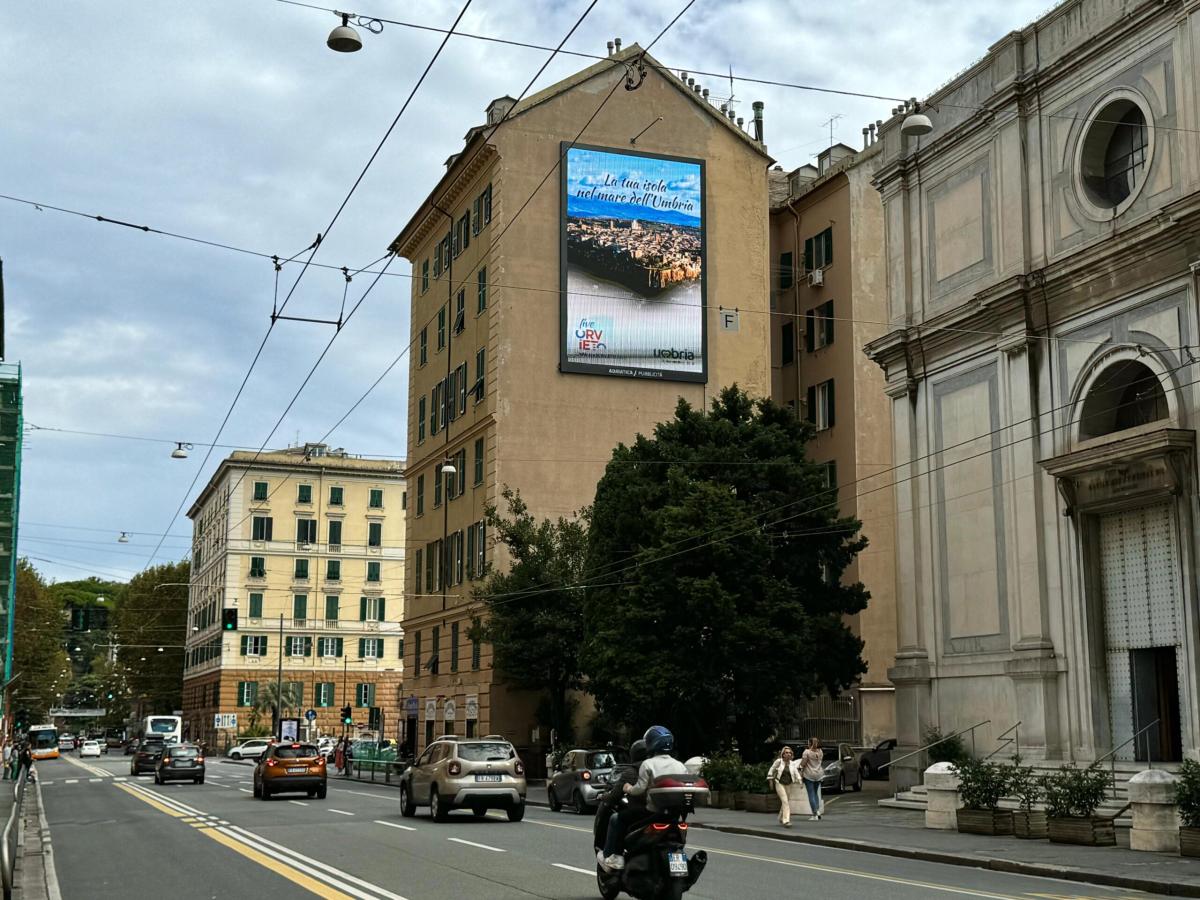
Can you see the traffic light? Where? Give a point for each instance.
(347, 715)
(229, 619)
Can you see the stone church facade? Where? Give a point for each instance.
(1043, 363)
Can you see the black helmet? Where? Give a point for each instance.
(658, 740)
(637, 752)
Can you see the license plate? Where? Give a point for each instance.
(297, 770)
(677, 864)
(487, 777)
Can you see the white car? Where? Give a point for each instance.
(251, 749)
(90, 748)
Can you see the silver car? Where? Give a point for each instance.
(465, 773)
(582, 778)
(841, 768)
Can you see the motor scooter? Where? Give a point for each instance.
(657, 865)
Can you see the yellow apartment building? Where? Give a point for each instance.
(307, 544)
(576, 271)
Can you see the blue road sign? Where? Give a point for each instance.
(310, 715)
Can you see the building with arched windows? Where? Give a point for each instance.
(1043, 245)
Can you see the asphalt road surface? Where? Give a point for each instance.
(119, 837)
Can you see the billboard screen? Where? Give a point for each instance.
(633, 265)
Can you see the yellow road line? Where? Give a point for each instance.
(304, 881)
(833, 870)
(159, 806)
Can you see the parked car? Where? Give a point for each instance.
(326, 746)
(286, 767)
(145, 757)
(90, 748)
(180, 762)
(251, 749)
(873, 762)
(465, 773)
(841, 768)
(582, 777)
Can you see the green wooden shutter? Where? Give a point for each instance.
(245, 641)
(808, 255)
(265, 643)
(829, 245)
(362, 647)
(382, 609)
(810, 409)
(371, 694)
(832, 405)
(362, 609)
(810, 330)
(308, 646)
(828, 323)
(340, 646)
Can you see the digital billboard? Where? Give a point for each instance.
(633, 265)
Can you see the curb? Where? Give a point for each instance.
(995, 864)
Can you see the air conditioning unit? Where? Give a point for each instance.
(816, 278)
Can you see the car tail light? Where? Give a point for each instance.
(199, 759)
(585, 775)
(660, 826)
(520, 767)
(455, 768)
(683, 826)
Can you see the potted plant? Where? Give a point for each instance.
(760, 797)
(981, 785)
(1187, 799)
(744, 781)
(1027, 787)
(1072, 797)
(721, 771)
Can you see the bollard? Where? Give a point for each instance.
(941, 785)
(1155, 817)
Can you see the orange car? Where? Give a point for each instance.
(290, 767)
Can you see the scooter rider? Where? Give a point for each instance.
(659, 744)
(622, 774)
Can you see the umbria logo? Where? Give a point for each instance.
(672, 353)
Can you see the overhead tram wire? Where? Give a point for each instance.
(624, 565)
(316, 247)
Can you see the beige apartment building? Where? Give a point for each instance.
(829, 299)
(307, 545)
(514, 382)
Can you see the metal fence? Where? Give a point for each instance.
(829, 718)
(12, 828)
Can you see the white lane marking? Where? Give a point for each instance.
(71, 781)
(297, 802)
(285, 852)
(95, 780)
(245, 782)
(395, 825)
(587, 872)
(245, 791)
(480, 846)
(120, 778)
(47, 782)
(365, 794)
(341, 812)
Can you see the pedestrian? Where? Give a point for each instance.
(25, 760)
(339, 756)
(784, 772)
(8, 754)
(812, 771)
(349, 756)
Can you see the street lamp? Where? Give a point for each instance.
(123, 539)
(448, 468)
(916, 123)
(344, 39)
(181, 450)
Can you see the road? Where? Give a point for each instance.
(116, 837)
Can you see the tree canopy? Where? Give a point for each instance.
(152, 613)
(40, 661)
(534, 612)
(715, 555)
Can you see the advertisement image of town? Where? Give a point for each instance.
(633, 265)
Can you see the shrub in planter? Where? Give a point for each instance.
(981, 785)
(1187, 798)
(951, 751)
(1028, 788)
(760, 796)
(1072, 797)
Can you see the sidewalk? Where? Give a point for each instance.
(34, 878)
(855, 822)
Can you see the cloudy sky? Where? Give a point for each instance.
(232, 122)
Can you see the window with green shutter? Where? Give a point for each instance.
(479, 461)
(260, 490)
(335, 534)
(304, 493)
(421, 420)
(416, 653)
(300, 607)
(331, 608)
(297, 691)
(420, 495)
(372, 571)
(258, 567)
(441, 328)
(335, 496)
(375, 534)
(376, 498)
(302, 569)
(481, 286)
(453, 646)
(260, 528)
(362, 608)
(325, 696)
(424, 345)
(306, 531)
(256, 606)
(247, 693)
(333, 570)
(475, 644)
(401, 651)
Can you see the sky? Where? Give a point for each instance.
(232, 122)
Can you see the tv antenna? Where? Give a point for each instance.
(830, 122)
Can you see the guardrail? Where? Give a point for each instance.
(384, 771)
(8, 848)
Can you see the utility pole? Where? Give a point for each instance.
(279, 685)
(345, 695)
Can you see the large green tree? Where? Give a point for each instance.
(715, 563)
(40, 663)
(533, 619)
(152, 614)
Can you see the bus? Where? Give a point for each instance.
(169, 728)
(43, 741)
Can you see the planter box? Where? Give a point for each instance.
(1189, 841)
(721, 799)
(762, 803)
(1096, 831)
(1029, 825)
(985, 821)
(739, 799)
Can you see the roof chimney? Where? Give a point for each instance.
(741, 123)
(610, 48)
(758, 120)
(617, 44)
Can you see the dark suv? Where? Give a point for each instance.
(145, 756)
(180, 762)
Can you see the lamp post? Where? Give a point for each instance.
(279, 685)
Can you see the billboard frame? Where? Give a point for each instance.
(567, 367)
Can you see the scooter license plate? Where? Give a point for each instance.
(677, 864)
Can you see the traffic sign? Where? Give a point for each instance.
(310, 715)
(225, 721)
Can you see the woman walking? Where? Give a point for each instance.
(784, 772)
(812, 771)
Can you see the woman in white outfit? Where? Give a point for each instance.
(784, 772)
